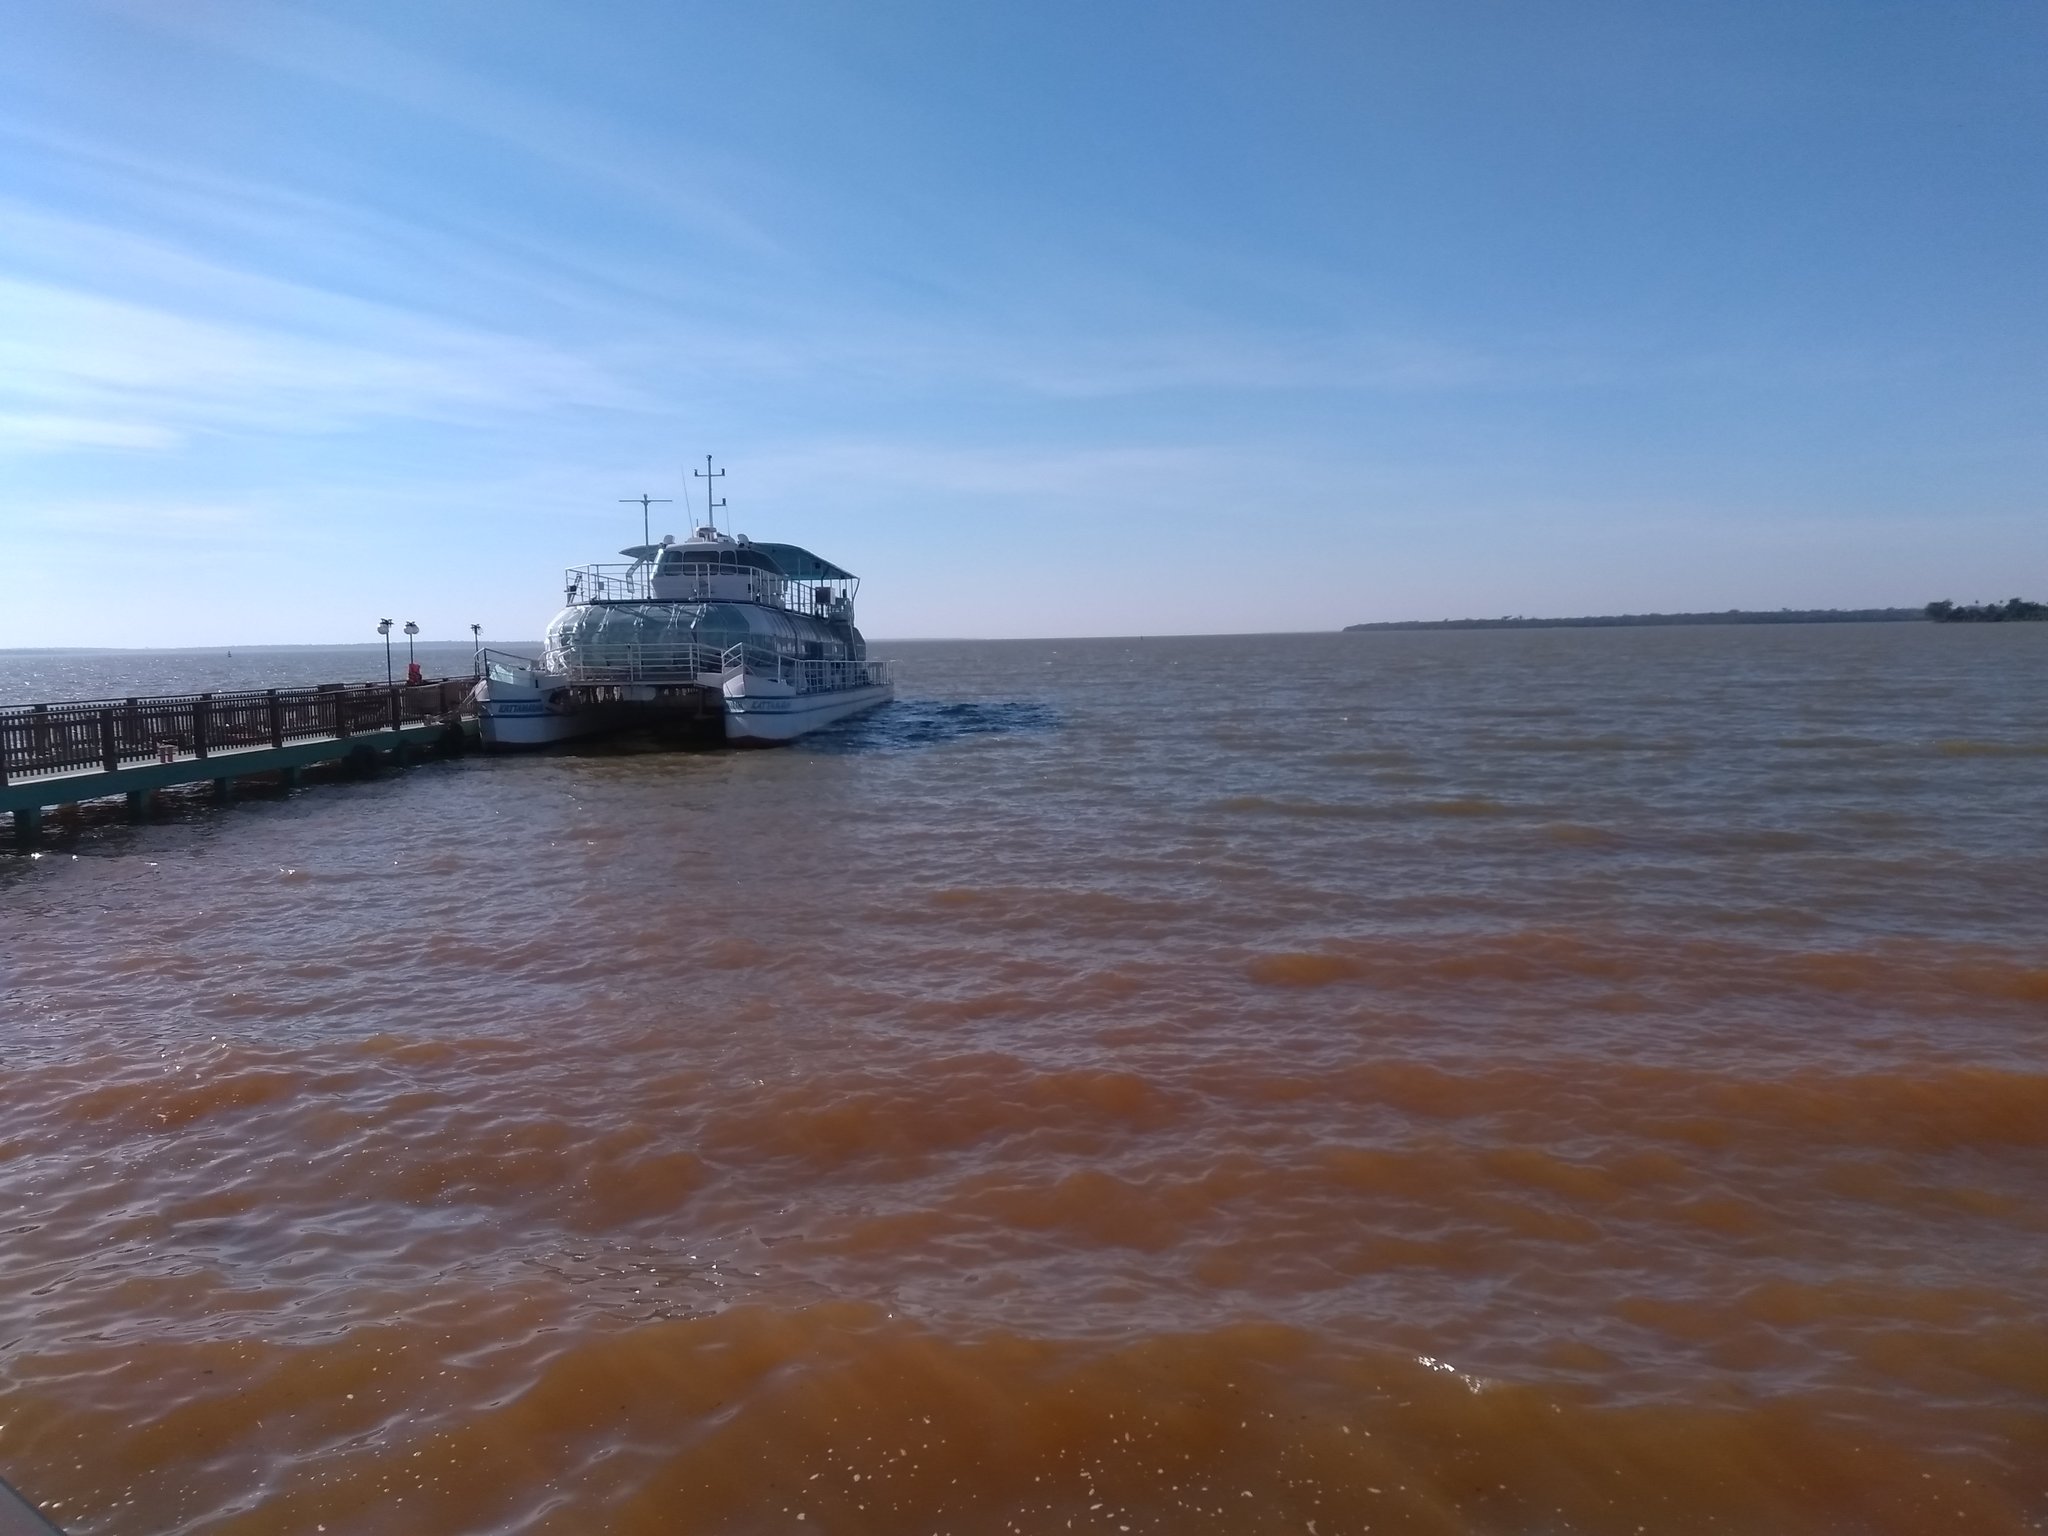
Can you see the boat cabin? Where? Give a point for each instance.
(712, 566)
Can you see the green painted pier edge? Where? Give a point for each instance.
(59, 755)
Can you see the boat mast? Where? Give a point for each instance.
(711, 504)
(646, 533)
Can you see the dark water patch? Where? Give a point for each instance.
(1390, 810)
(1829, 743)
(1462, 806)
(1575, 835)
(1963, 747)
(909, 725)
(697, 739)
(1321, 810)
(1572, 745)
(1378, 757)
(1905, 975)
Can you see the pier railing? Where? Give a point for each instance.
(38, 740)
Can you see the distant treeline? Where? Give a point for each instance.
(2017, 610)
(1732, 616)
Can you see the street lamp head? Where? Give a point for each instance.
(411, 628)
(384, 627)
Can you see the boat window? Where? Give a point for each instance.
(727, 559)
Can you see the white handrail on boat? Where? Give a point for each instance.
(689, 664)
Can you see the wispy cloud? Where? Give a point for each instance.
(183, 518)
(213, 348)
(818, 470)
(303, 42)
(1223, 357)
(297, 345)
(175, 211)
(43, 432)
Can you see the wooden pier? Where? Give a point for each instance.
(64, 754)
(19, 1518)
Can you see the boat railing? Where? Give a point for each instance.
(690, 664)
(725, 584)
(705, 583)
(690, 584)
(805, 674)
(497, 666)
(609, 583)
(680, 662)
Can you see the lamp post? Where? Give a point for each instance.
(411, 629)
(390, 693)
(476, 635)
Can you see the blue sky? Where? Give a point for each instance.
(1056, 318)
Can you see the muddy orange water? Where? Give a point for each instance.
(1506, 1082)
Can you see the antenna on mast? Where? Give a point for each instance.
(646, 533)
(711, 504)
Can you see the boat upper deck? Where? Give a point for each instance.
(715, 567)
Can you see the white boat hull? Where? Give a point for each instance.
(520, 725)
(751, 718)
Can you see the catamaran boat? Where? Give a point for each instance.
(715, 632)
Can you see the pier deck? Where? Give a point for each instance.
(19, 1518)
(64, 754)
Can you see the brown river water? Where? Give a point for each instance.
(1508, 1083)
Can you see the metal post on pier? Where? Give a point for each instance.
(276, 713)
(110, 755)
(202, 711)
